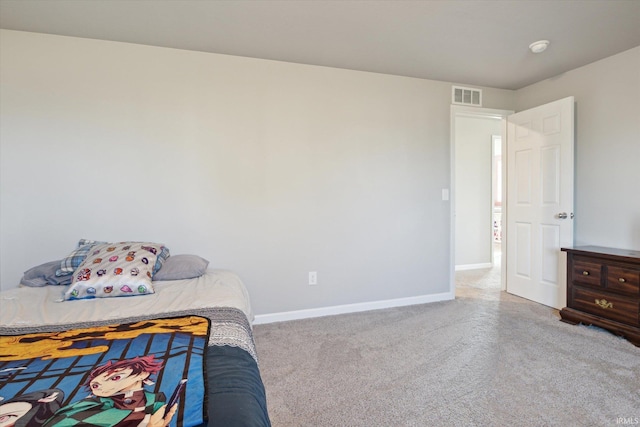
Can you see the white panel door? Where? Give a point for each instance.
(540, 201)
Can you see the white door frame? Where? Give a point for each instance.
(493, 192)
(464, 111)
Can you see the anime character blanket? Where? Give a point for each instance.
(149, 373)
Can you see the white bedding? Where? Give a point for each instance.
(25, 306)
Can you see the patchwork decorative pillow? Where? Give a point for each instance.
(115, 270)
(69, 263)
(162, 257)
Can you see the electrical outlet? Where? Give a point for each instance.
(313, 277)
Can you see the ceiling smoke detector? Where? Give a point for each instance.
(539, 46)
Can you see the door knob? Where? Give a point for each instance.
(561, 215)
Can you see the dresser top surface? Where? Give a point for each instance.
(629, 254)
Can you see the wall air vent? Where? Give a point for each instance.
(466, 96)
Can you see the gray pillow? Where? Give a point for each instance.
(178, 267)
(43, 275)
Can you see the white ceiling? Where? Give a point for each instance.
(472, 42)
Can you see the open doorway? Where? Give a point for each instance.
(477, 184)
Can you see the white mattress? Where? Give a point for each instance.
(25, 307)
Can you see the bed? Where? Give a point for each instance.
(206, 319)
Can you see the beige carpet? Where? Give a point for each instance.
(483, 359)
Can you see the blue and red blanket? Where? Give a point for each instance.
(146, 373)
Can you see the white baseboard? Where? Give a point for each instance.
(349, 308)
(473, 266)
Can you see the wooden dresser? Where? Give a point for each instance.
(603, 289)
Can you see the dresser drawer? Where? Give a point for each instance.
(615, 307)
(624, 280)
(587, 272)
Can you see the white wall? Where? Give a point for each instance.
(270, 169)
(473, 184)
(607, 164)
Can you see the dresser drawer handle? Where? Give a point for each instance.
(621, 280)
(604, 303)
(585, 273)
